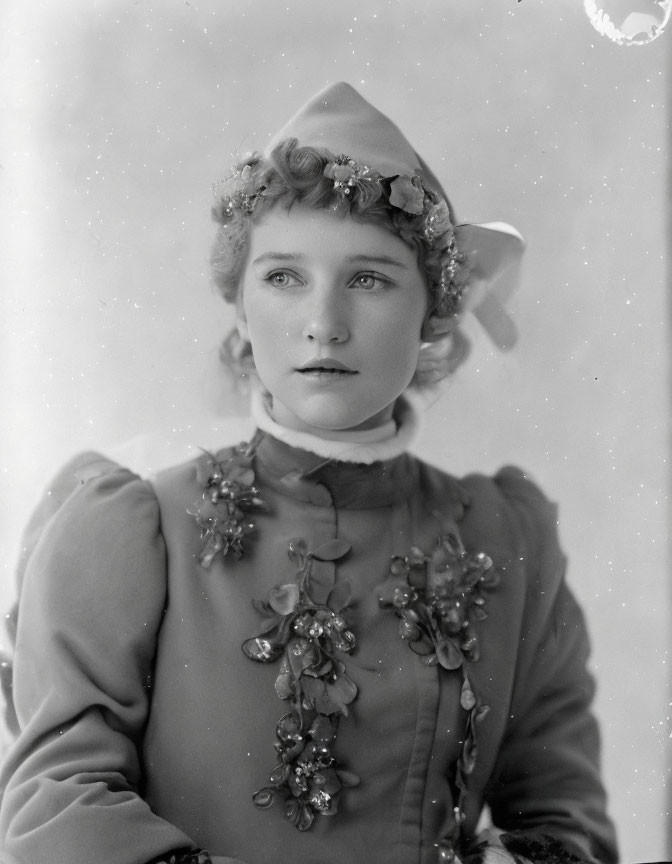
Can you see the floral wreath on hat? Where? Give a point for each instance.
(425, 213)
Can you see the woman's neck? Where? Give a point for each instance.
(382, 442)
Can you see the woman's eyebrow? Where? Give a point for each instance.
(350, 259)
(277, 256)
(375, 259)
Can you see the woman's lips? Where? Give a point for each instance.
(326, 368)
(324, 374)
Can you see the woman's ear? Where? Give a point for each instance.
(241, 325)
(241, 319)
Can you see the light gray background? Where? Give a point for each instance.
(117, 117)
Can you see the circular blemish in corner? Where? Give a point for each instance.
(629, 22)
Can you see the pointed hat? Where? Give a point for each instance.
(339, 119)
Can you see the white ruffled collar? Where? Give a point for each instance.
(363, 446)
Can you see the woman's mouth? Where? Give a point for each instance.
(326, 368)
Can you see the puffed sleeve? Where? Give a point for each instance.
(547, 780)
(91, 606)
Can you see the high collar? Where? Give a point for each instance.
(353, 472)
(310, 477)
(363, 447)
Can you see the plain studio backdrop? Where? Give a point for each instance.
(119, 115)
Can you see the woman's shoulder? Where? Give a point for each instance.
(93, 492)
(513, 519)
(129, 481)
(509, 490)
(180, 484)
(92, 506)
(505, 511)
(90, 480)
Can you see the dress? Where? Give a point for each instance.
(146, 728)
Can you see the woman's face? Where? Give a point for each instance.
(333, 309)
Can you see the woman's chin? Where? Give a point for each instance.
(325, 423)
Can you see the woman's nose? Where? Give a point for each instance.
(326, 322)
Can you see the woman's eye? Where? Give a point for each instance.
(282, 279)
(369, 281)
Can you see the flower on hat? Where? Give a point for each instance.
(341, 173)
(348, 174)
(438, 220)
(238, 191)
(407, 194)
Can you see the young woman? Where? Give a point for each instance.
(410, 650)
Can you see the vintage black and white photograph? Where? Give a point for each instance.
(335, 449)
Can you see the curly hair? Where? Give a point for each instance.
(297, 174)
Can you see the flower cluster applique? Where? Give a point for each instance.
(348, 175)
(238, 192)
(438, 598)
(307, 637)
(229, 494)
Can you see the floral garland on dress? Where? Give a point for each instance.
(438, 598)
(229, 494)
(308, 636)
